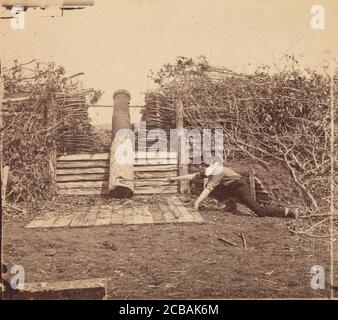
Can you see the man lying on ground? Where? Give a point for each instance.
(224, 183)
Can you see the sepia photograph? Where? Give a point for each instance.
(169, 150)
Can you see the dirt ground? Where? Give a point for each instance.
(175, 261)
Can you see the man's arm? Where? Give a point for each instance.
(191, 176)
(204, 195)
(215, 180)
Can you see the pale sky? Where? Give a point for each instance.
(116, 43)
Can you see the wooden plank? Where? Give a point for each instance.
(154, 183)
(189, 214)
(82, 171)
(103, 191)
(185, 213)
(83, 192)
(104, 177)
(128, 216)
(91, 216)
(82, 185)
(84, 157)
(49, 222)
(183, 210)
(196, 216)
(106, 207)
(176, 201)
(156, 155)
(138, 215)
(102, 167)
(65, 285)
(104, 216)
(82, 177)
(147, 216)
(82, 164)
(36, 223)
(153, 175)
(156, 214)
(155, 161)
(77, 289)
(62, 221)
(78, 219)
(156, 168)
(165, 210)
(174, 210)
(105, 156)
(117, 216)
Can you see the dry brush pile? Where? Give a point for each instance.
(281, 115)
(43, 108)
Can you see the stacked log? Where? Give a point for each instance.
(88, 174)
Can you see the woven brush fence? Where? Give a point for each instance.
(76, 135)
(159, 111)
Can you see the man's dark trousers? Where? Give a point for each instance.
(240, 191)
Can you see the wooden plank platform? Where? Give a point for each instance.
(62, 221)
(156, 214)
(78, 219)
(172, 210)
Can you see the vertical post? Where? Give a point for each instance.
(4, 179)
(51, 122)
(252, 183)
(4, 170)
(333, 105)
(182, 168)
(2, 94)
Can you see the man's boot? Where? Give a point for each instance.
(291, 213)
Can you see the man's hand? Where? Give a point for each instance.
(205, 193)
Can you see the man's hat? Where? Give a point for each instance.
(213, 169)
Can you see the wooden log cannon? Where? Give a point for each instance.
(121, 173)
